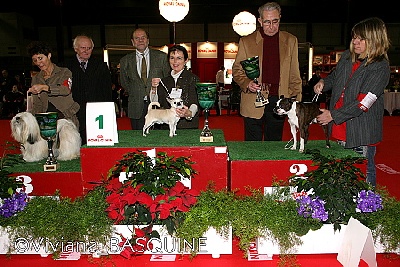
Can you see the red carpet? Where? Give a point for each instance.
(388, 174)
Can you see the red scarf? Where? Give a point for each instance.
(339, 130)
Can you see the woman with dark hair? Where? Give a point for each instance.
(355, 115)
(51, 87)
(180, 83)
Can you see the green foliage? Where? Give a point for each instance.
(58, 219)
(385, 224)
(163, 173)
(8, 184)
(337, 182)
(211, 210)
(250, 216)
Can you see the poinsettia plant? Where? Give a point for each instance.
(148, 191)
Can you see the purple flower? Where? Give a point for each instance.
(312, 207)
(15, 203)
(368, 201)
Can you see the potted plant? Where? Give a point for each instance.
(12, 200)
(144, 192)
(285, 215)
(337, 191)
(49, 224)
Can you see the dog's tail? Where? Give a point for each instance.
(153, 104)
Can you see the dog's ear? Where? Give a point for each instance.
(31, 139)
(282, 97)
(293, 99)
(57, 141)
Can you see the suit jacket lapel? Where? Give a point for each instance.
(153, 62)
(133, 67)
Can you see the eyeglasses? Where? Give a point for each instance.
(269, 22)
(83, 48)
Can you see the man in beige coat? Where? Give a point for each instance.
(279, 74)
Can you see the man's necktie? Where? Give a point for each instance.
(83, 65)
(144, 69)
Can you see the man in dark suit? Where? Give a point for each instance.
(137, 71)
(91, 79)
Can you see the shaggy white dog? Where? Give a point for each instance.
(25, 130)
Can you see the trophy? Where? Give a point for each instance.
(252, 70)
(206, 93)
(48, 130)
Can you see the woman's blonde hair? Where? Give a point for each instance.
(373, 31)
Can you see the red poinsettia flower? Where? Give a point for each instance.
(177, 189)
(127, 252)
(137, 245)
(188, 196)
(179, 205)
(189, 199)
(128, 196)
(113, 185)
(165, 210)
(141, 240)
(116, 209)
(113, 198)
(145, 199)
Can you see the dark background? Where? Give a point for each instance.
(81, 12)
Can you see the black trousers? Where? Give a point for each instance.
(138, 124)
(268, 128)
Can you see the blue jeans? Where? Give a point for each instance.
(368, 152)
(371, 170)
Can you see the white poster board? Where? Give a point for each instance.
(101, 124)
(357, 244)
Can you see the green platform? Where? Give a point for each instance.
(129, 138)
(238, 150)
(275, 150)
(160, 138)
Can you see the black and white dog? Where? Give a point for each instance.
(300, 116)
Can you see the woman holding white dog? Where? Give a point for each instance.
(51, 87)
(180, 83)
(355, 116)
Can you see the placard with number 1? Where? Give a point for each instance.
(101, 124)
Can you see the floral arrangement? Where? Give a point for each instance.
(12, 198)
(335, 191)
(146, 191)
(12, 205)
(369, 201)
(312, 207)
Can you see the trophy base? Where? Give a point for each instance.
(206, 139)
(51, 167)
(261, 103)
